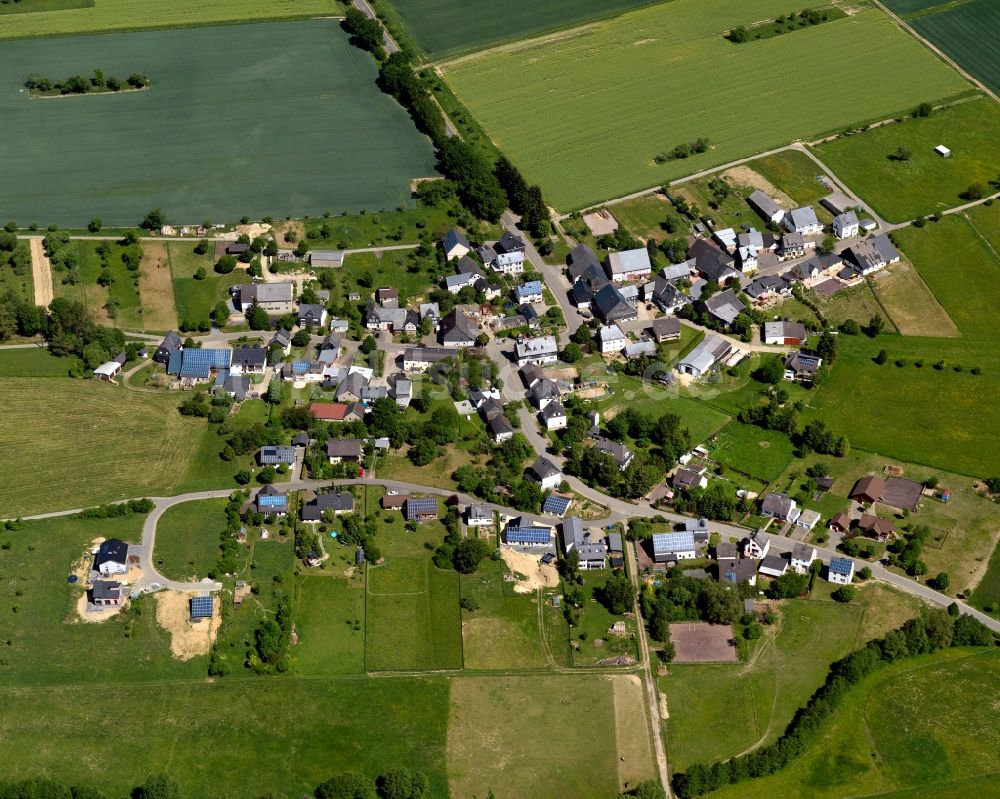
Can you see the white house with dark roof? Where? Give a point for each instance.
(455, 244)
(840, 571)
(478, 514)
(846, 225)
(765, 206)
(611, 339)
(779, 506)
(553, 416)
(628, 265)
(756, 545)
(592, 549)
(546, 473)
(622, 455)
(802, 557)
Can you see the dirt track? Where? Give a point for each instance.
(41, 271)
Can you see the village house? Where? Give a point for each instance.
(808, 519)
(402, 392)
(500, 429)
(248, 361)
(766, 207)
(546, 473)
(873, 527)
(711, 261)
(337, 411)
(793, 245)
(663, 292)
(666, 328)
(271, 501)
(420, 359)
(311, 314)
(724, 306)
(779, 506)
(801, 366)
(871, 254)
(378, 318)
(610, 305)
(868, 489)
(352, 388)
(841, 571)
(334, 502)
(784, 333)
(529, 292)
(740, 570)
(105, 594)
(802, 557)
(171, 343)
(756, 545)
(421, 509)
(580, 259)
(768, 287)
(387, 296)
(611, 339)
(591, 549)
(531, 373)
(846, 225)
(541, 350)
(274, 298)
(803, 220)
(479, 515)
(725, 238)
(111, 557)
(628, 265)
(455, 244)
(281, 340)
(840, 523)
(621, 454)
(553, 416)
(457, 329)
(672, 547)
(194, 365)
(276, 456)
(455, 283)
(557, 503)
(340, 450)
(773, 566)
(684, 479)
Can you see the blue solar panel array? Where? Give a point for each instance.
(527, 535)
(276, 455)
(673, 542)
(199, 363)
(272, 501)
(418, 506)
(201, 607)
(556, 505)
(841, 566)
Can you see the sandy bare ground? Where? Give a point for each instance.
(156, 287)
(41, 272)
(95, 616)
(252, 230)
(531, 573)
(601, 222)
(187, 639)
(632, 742)
(744, 176)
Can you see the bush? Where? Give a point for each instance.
(846, 593)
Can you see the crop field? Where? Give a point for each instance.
(967, 33)
(961, 269)
(652, 79)
(950, 420)
(914, 310)
(524, 736)
(503, 632)
(200, 142)
(445, 27)
(413, 617)
(926, 183)
(61, 17)
(187, 539)
(927, 733)
(90, 442)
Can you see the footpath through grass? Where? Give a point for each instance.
(652, 79)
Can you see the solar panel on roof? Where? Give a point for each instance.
(527, 535)
(270, 501)
(557, 505)
(201, 607)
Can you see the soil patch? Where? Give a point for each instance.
(156, 287)
(601, 223)
(633, 745)
(703, 643)
(95, 616)
(187, 639)
(531, 573)
(41, 272)
(744, 176)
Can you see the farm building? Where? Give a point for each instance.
(628, 265)
(765, 206)
(707, 354)
(326, 258)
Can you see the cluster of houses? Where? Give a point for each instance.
(595, 548)
(112, 558)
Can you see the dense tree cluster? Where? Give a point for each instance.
(502, 479)
(678, 598)
(934, 630)
(81, 84)
(118, 510)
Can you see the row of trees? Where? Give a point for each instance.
(81, 84)
(933, 631)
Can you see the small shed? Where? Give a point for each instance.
(943, 151)
(107, 371)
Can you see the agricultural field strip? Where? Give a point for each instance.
(608, 55)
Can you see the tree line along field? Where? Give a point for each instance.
(62, 17)
(586, 113)
(965, 31)
(200, 143)
(927, 732)
(925, 183)
(445, 27)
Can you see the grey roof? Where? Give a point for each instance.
(572, 531)
(615, 542)
(724, 550)
(618, 451)
(669, 543)
(711, 349)
(461, 280)
(620, 263)
(455, 237)
(737, 571)
(543, 467)
(725, 306)
(580, 258)
(105, 589)
(467, 265)
(667, 326)
(776, 504)
(685, 478)
(765, 285)
(803, 363)
(353, 384)
(712, 261)
(764, 205)
(531, 373)
(458, 327)
(837, 202)
(803, 217)
(643, 347)
(774, 563)
(249, 357)
(803, 552)
(394, 317)
(313, 511)
(499, 425)
(344, 448)
(420, 506)
(238, 386)
(847, 218)
(427, 354)
(509, 242)
(611, 306)
(784, 329)
(267, 292)
(676, 271)
(310, 311)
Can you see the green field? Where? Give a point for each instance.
(33, 362)
(794, 173)
(503, 632)
(761, 453)
(917, 729)
(196, 299)
(413, 618)
(444, 28)
(187, 539)
(200, 144)
(59, 17)
(964, 32)
(945, 419)
(960, 268)
(927, 183)
(32, 6)
(533, 737)
(650, 80)
(325, 618)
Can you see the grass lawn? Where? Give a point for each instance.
(963, 31)
(187, 539)
(412, 616)
(163, 157)
(986, 220)
(592, 627)
(761, 453)
(954, 432)
(398, 268)
(113, 444)
(643, 216)
(884, 740)
(793, 173)
(441, 29)
(525, 736)
(329, 620)
(34, 362)
(911, 306)
(82, 16)
(503, 632)
(961, 268)
(901, 190)
(717, 711)
(655, 78)
(196, 299)
(732, 211)
(298, 731)
(986, 597)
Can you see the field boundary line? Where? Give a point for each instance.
(903, 25)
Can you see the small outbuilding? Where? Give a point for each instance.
(943, 151)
